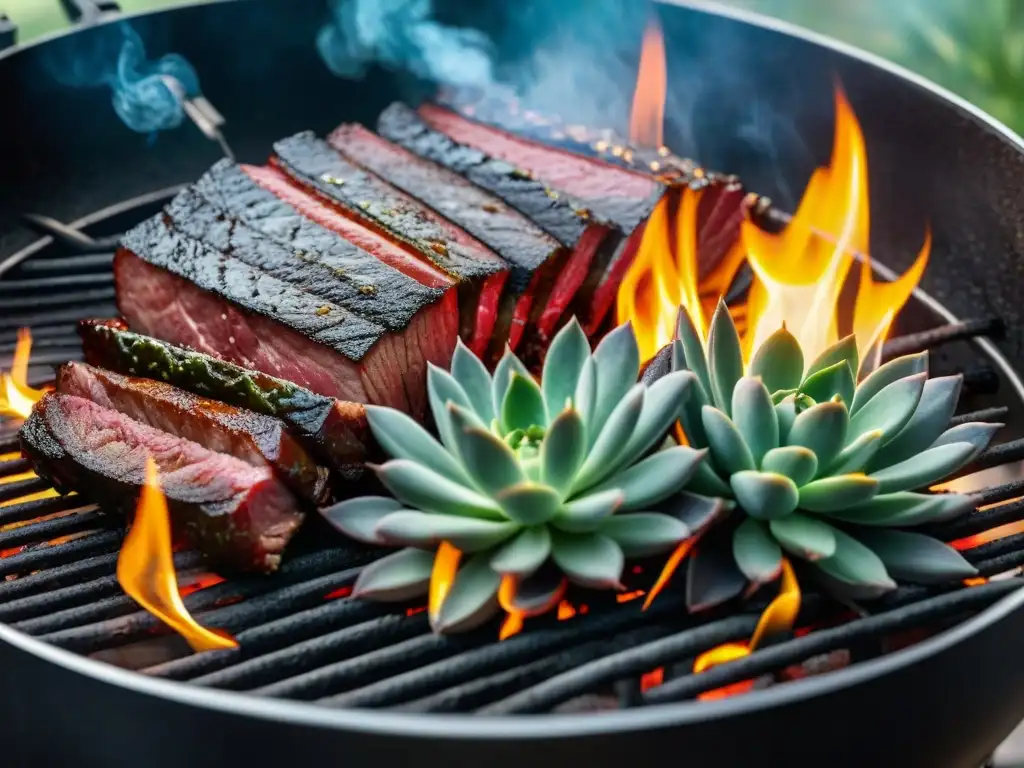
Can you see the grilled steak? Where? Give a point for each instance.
(358, 194)
(183, 291)
(335, 431)
(252, 437)
(238, 514)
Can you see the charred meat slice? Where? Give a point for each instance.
(335, 431)
(237, 514)
(184, 292)
(252, 437)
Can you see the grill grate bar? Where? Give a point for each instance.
(985, 414)
(60, 554)
(72, 298)
(980, 521)
(995, 456)
(82, 264)
(30, 510)
(911, 343)
(17, 488)
(14, 466)
(990, 549)
(73, 522)
(56, 281)
(52, 358)
(42, 333)
(58, 317)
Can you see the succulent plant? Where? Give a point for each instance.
(531, 485)
(824, 468)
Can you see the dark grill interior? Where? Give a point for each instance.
(302, 638)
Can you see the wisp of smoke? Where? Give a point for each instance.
(145, 94)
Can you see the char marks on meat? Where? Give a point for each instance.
(239, 515)
(254, 438)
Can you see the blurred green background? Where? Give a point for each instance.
(973, 47)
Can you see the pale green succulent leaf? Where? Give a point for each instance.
(525, 553)
(756, 553)
(643, 534)
(905, 509)
(707, 482)
(616, 365)
(977, 433)
(786, 413)
(688, 350)
(655, 478)
(729, 451)
(403, 438)
(539, 592)
(822, 428)
(839, 492)
(779, 362)
(442, 388)
(924, 469)
(491, 464)
(397, 577)
(804, 536)
(844, 350)
(853, 564)
(563, 365)
(725, 358)
(409, 528)
(754, 417)
(530, 503)
(931, 418)
(890, 410)
(586, 394)
(417, 486)
(693, 510)
(586, 513)
(886, 374)
(602, 458)
(661, 408)
(472, 598)
(588, 559)
(797, 463)
(472, 376)
(690, 417)
(563, 450)
(829, 382)
(523, 406)
(764, 495)
(857, 455)
(358, 518)
(508, 365)
(915, 557)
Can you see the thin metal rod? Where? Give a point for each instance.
(46, 530)
(10, 491)
(997, 414)
(59, 554)
(911, 343)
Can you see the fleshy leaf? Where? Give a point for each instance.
(729, 450)
(642, 534)
(906, 509)
(662, 404)
(358, 518)
(779, 362)
(891, 409)
(475, 381)
(588, 559)
(523, 406)
(931, 418)
(757, 554)
(409, 528)
(857, 455)
(915, 557)
(689, 353)
(586, 513)
(977, 433)
(491, 464)
(540, 592)
(725, 358)
(886, 374)
(525, 553)
(764, 495)
(563, 450)
(924, 469)
(712, 576)
(829, 382)
(822, 428)
(586, 393)
(422, 488)
(399, 576)
(804, 536)
(794, 461)
(403, 438)
(442, 388)
(563, 365)
(616, 365)
(839, 492)
(694, 511)
(855, 565)
(706, 481)
(614, 437)
(503, 371)
(655, 478)
(690, 415)
(754, 417)
(786, 413)
(530, 503)
(844, 350)
(472, 599)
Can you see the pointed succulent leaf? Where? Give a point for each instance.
(729, 450)
(539, 592)
(924, 469)
(586, 513)
(781, 394)
(712, 576)
(886, 374)
(472, 599)
(797, 463)
(642, 534)
(661, 408)
(915, 557)
(829, 382)
(491, 464)
(475, 381)
(931, 418)
(422, 488)
(840, 492)
(891, 409)
(563, 365)
(844, 350)
(757, 554)
(754, 416)
(403, 438)
(503, 371)
(905, 509)
(525, 553)
(563, 450)
(786, 412)
(616, 364)
(853, 564)
(358, 518)
(707, 481)
(586, 393)
(694, 511)
(523, 406)
(977, 433)
(690, 416)
(658, 366)
(588, 559)
(409, 528)
(764, 495)
(688, 350)
(779, 362)
(655, 478)
(442, 388)
(530, 503)
(821, 428)
(805, 537)
(603, 457)
(725, 358)
(857, 455)
(399, 576)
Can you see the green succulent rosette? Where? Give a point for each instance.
(534, 484)
(825, 468)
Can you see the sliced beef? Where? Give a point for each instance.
(254, 438)
(183, 291)
(335, 431)
(480, 273)
(239, 515)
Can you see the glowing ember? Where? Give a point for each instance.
(513, 623)
(446, 563)
(648, 115)
(16, 396)
(671, 565)
(145, 569)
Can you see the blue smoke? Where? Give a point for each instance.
(115, 57)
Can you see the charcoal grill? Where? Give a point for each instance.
(330, 679)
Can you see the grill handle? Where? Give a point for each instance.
(89, 11)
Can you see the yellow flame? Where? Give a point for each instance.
(513, 623)
(16, 396)
(646, 121)
(673, 562)
(442, 576)
(145, 569)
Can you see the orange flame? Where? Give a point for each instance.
(446, 564)
(16, 396)
(145, 569)
(646, 121)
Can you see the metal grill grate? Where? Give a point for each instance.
(301, 638)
